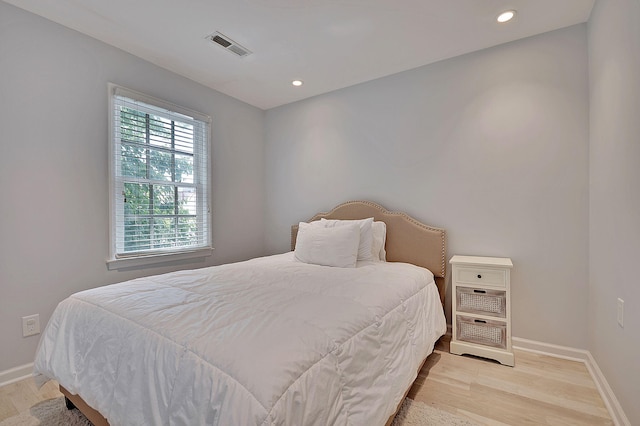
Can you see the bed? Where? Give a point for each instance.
(272, 340)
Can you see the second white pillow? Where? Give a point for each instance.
(333, 246)
(366, 234)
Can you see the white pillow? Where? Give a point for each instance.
(335, 246)
(366, 234)
(379, 239)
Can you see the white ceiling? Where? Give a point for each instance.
(329, 44)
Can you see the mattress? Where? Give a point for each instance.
(266, 341)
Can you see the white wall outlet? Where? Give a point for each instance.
(30, 325)
(621, 312)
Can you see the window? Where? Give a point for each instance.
(159, 185)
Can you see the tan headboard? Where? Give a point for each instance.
(408, 240)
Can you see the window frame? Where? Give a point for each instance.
(116, 184)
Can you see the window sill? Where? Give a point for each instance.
(142, 261)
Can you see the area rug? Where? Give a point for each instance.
(416, 413)
(53, 412)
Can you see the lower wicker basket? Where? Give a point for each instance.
(481, 331)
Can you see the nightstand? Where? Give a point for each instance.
(481, 307)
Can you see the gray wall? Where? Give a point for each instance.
(492, 146)
(614, 73)
(53, 168)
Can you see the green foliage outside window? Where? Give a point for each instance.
(157, 165)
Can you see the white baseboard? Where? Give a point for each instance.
(565, 352)
(581, 355)
(16, 374)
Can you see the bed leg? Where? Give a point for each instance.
(69, 404)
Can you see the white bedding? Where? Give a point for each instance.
(267, 341)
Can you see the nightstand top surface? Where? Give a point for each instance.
(504, 262)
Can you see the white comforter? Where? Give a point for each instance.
(267, 341)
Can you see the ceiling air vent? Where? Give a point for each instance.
(230, 45)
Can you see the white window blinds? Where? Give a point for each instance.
(160, 176)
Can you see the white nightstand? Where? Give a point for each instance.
(481, 307)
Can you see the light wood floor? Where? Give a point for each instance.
(18, 397)
(539, 390)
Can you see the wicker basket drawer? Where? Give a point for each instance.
(481, 301)
(480, 331)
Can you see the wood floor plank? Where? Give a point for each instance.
(50, 390)
(23, 397)
(512, 408)
(539, 390)
(7, 409)
(18, 397)
(543, 388)
(572, 371)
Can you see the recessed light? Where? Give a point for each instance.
(506, 16)
(297, 83)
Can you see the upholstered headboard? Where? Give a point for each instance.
(408, 240)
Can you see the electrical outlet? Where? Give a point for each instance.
(620, 312)
(30, 325)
